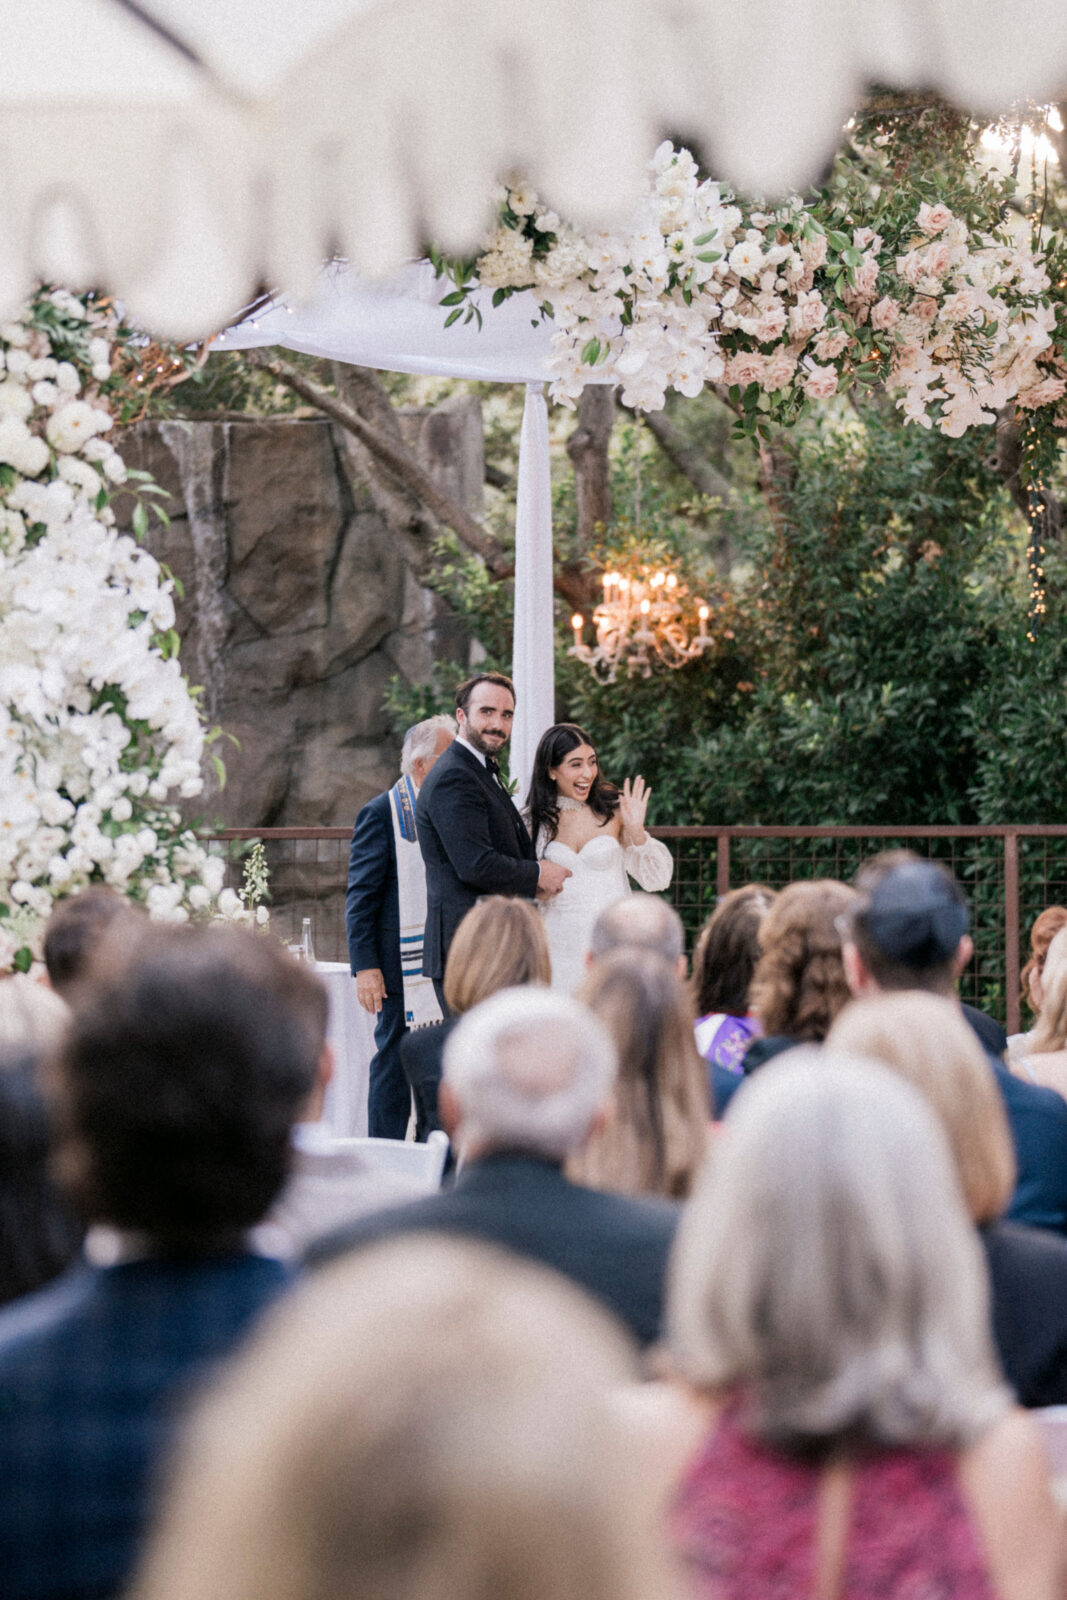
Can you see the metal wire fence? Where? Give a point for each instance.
(1009, 874)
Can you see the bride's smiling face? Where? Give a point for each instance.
(576, 773)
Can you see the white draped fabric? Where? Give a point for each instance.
(398, 326)
(532, 655)
(362, 127)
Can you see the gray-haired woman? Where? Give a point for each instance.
(829, 1304)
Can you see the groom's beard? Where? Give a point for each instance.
(491, 748)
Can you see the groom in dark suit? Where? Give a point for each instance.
(472, 838)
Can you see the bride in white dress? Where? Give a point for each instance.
(598, 832)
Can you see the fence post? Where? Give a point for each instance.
(1011, 930)
(722, 863)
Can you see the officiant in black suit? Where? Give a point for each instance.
(472, 838)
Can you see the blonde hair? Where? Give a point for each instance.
(827, 1271)
(799, 984)
(1050, 1030)
(425, 1418)
(656, 1140)
(499, 944)
(925, 1039)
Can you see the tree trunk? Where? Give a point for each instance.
(588, 449)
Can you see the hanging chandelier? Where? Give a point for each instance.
(641, 622)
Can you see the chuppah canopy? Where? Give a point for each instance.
(252, 139)
(397, 325)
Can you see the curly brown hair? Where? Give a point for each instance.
(799, 986)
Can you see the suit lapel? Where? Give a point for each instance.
(498, 796)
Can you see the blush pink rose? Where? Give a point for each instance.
(1042, 394)
(828, 346)
(813, 251)
(911, 267)
(744, 368)
(867, 276)
(820, 383)
(933, 219)
(925, 307)
(807, 315)
(778, 371)
(771, 324)
(885, 313)
(937, 259)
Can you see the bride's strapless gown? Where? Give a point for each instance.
(600, 874)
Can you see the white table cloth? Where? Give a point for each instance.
(350, 1033)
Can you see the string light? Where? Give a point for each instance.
(1037, 604)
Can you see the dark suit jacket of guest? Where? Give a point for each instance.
(1038, 1118)
(92, 1372)
(1028, 1277)
(613, 1246)
(372, 904)
(473, 842)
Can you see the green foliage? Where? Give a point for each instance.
(871, 668)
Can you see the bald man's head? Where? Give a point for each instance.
(640, 922)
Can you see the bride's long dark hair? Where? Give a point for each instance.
(542, 804)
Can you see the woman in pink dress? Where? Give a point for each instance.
(830, 1310)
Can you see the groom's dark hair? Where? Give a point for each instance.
(467, 688)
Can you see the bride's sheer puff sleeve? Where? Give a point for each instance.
(650, 864)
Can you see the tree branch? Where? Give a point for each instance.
(391, 453)
(687, 459)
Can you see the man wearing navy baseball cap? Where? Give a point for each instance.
(909, 931)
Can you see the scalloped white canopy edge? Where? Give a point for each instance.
(364, 127)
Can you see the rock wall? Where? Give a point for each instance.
(298, 603)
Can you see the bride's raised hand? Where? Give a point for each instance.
(633, 803)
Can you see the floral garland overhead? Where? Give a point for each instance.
(99, 732)
(780, 305)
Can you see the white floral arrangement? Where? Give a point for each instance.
(779, 305)
(99, 732)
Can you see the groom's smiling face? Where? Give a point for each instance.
(486, 723)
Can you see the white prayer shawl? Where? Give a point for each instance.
(420, 1001)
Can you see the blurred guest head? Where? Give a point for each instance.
(908, 930)
(826, 1271)
(655, 1140)
(728, 950)
(428, 1418)
(32, 1017)
(799, 984)
(528, 1070)
(924, 1039)
(640, 922)
(75, 929)
(1045, 928)
(187, 1061)
(500, 944)
(38, 1233)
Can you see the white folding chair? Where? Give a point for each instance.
(422, 1163)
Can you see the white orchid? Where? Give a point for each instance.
(87, 792)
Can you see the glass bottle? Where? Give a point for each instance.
(307, 948)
